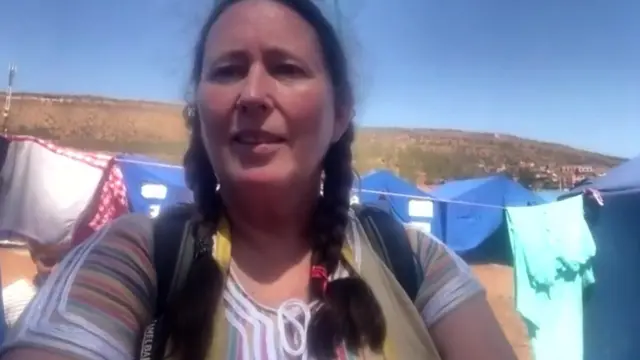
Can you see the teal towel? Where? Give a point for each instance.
(553, 252)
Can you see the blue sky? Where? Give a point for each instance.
(563, 71)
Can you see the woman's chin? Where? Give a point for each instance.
(262, 177)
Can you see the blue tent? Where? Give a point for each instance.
(551, 195)
(152, 185)
(403, 198)
(620, 180)
(475, 210)
(612, 314)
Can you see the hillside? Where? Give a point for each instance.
(158, 130)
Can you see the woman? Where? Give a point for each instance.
(271, 125)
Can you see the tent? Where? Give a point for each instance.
(612, 314)
(550, 195)
(405, 201)
(152, 185)
(472, 213)
(620, 180)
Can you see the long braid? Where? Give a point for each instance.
(191, 331)
(348, 310)
(332, 214)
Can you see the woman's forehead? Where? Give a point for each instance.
(260, 23)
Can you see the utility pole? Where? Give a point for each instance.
(7, 101)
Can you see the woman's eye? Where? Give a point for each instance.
(226, 73)
(287, 70)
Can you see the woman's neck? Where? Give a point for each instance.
(268, 227)
(270, 242)
(272, 223)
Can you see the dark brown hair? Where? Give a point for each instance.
(348, 310)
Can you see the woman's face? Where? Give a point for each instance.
(265, 100)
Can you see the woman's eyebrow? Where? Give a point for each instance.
(279, 53)
(272, 52)
(226, 56)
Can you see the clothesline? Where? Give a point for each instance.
(460, 202)
(387, 193)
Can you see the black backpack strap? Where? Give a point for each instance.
(168, 235)
(168, 231)
(390, 241)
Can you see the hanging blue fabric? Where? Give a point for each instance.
(553, 255)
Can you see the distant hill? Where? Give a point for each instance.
(444, 154)
(157, 129)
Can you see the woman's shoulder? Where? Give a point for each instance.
(138, 226)
(431, 251)
(428, 248)
(131, 232)
(448, 279)
(102, 294)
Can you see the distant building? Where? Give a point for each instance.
(577, 169)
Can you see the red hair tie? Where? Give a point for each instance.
(320, 272)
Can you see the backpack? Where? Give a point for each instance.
(389, 240)
(387, 236)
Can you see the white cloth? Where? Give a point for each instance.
(16, 297)
(44, 190)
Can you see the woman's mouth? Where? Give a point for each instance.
(256, 137)
(251, 143)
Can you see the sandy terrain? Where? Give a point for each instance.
(15, 264)
(499, 283)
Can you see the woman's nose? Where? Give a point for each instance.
(255, 97)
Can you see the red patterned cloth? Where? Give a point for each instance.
(109, 203)
(112, 199)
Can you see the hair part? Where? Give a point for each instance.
(348, 312)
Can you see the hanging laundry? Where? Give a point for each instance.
(553, 253)
(45, 188)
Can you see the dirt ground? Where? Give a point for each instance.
(16, 264)
(498, 280)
